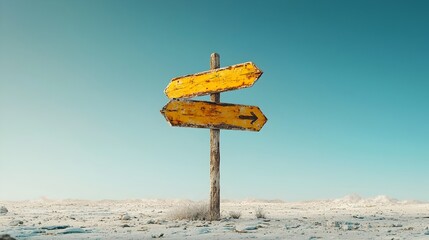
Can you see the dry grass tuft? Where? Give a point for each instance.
(193, 212)
(234, 214)
(259, 213)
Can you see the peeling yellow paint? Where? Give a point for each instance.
(219, 80)
(201, 114)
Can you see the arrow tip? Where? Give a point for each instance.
(254, 117)
(257, 72)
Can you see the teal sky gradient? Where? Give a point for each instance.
(345, 89)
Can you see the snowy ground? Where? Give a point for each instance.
(348, 218)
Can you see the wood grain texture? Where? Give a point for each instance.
(214, 205)
(217, 80)
(202, 114)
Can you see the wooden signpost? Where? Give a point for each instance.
(214, 115)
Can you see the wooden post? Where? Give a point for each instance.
(214, 154)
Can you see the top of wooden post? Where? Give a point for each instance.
(214, 61)
(214, 64)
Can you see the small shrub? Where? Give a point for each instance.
(193, 212)
(234, 214)
(260, 213)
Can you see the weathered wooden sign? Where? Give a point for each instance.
(218, 80)
(201, 114)
(214, 115)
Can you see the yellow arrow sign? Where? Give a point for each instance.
(219, 80)
(201, 114)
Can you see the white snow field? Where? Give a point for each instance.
(348, 218)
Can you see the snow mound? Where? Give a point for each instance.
(353, 198)
(357, 200)
(383, 200)
(256, 200)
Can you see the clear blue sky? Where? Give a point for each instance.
(345, 89)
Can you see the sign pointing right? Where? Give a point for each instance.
(201, 114)
(219, 80)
